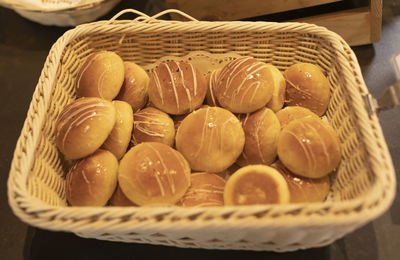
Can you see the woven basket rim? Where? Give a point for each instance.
(33, 211)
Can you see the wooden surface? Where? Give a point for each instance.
(227, 10)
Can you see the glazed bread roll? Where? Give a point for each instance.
(211, 139)
(153, 173)
(153, 125)
(278, 94)
(206, 190)
(308, 87)
(177, 87)
(118, 199)
(92, 180)
(291, 113)
(83, 126)
(245, 85)
(101, 75)
(256, 184)
(118, 140)
(135, 87)
(212, 80)
(309, 147)
(261, 129)
(304, 189)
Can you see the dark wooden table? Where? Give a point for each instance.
(24, 46)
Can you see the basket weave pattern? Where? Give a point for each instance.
(363, 185)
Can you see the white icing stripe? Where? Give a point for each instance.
(75, 105)
(173, 85)
(211, 85)
(234, 72)
(327, 156)
(100, 83)
(165, 170)
(258, 84)
(160, 186)
(245, 79)
(257, 136)
(67, 117)
(203, 133)
(305, 149)
(158, 85)
(194, 79)
(189, 96)
(78, 82)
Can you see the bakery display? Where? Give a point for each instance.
(118, 199)
(118, 140)
(261, 129)
(256, 184)
(289, 113)
(177, 87)
(309, 147)
(307, 86)
(134, 89)
(153, 125)
(304, 189)
(245, 85)
(206, 190)
(251, 134)
(92, 180)
(101, 75)
(153, 173)
(83, 126)
(210, 138)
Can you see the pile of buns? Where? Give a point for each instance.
(244, 134)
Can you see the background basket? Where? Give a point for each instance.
(61, 12)
(363, 185)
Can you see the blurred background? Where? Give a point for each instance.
(371, 27)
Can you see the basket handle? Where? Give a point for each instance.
(142, 17)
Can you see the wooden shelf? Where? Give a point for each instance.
(358, 26)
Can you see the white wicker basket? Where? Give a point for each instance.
(363, 185)
(60, 12)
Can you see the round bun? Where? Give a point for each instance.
(256, 184)
(118, 199)
(206, 190)
(83, 126)
(309, 147)
(291, 113)
(153, 173)
(211, 139)
(212, 80)
(134, 89)
(101, 75)
(92, 181)
(118, 140)
(261, 130)
(278, 94)
(245, 85)
(153, 125)
(308, 87)
(177, 87)
(304, 189)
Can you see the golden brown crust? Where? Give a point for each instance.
(304, 189)
(278, 94)
(206, 190)
(83, 126)
(118, 140)
(309, 147)
(308, 87)
(291, 113)
(177, 87)
(101, 75)
(153, 173)
(211, 139)
(261, 130)
(256, 184)
(212, 80)
(92, 181)
(245, 85)
(135, 87)
(153, 125)
(118, 199)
